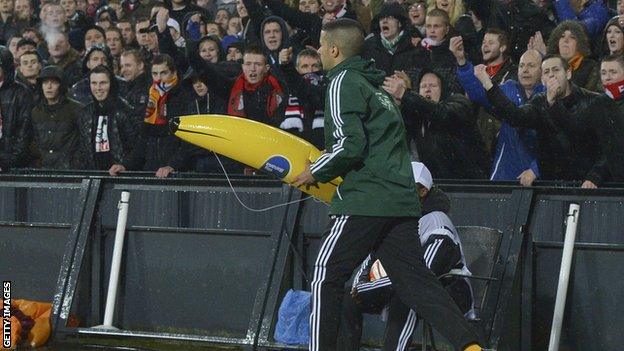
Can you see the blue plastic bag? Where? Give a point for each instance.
(293, 318)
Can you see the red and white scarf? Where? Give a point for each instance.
(615, 90)
(236, 105)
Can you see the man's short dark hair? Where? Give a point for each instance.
(503, 38)
(166, 59)
(32, 30)
(614, 58)
(564, 62)
(139, 20)
(102, 69)
(24, 42)
(32, 52)
(256, 49)
(14, 36)
(128, 20)
(347, 34)
(118, 31)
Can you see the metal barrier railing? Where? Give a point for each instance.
(56, 237)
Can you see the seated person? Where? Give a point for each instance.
(372, 290)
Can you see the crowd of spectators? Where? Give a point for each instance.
(489, 89)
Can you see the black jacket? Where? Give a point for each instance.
(578, 135)
(308, 22)
(441, 60)
(436, 200)
(310, 90)
(157, 147)
(519, 18)
(587, 76)
(122, 131)
(403, 58)
(487, 124)
(56, 134)
(81, 91)
(15, 105)
(254, 102)
(72, 67)
(446, 135)
(138, 94)
(32, 88)
(179, 15)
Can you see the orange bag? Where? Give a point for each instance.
(33, 318)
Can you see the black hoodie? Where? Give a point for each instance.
(404, 57)
(274, 54)
(122, 129)
(15, 105)
(445, 133)
(81, 91)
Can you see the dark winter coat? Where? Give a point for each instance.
(55, 127)
(158, 147)
(15, 106)
(81, 91)
(403, 58)
(441, 60)
(577, 136)
(445, 133)
(594, 15)
(254, 102)
(32, 88)
(72, 67)
(56, 134)
(587, 76)
(519, 18)
(122, 131)
(138, 94)
(310, 90)
(308, 22)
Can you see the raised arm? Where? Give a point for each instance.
(594, 19)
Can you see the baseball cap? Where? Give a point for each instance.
(422, 175)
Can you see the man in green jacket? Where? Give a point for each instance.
(376, 207)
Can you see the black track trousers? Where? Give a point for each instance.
(441, 255)
(346, 243)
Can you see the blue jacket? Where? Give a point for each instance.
(515, 148)
(594, 16)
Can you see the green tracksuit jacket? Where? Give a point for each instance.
(366, 145)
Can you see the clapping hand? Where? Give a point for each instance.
(536, 42)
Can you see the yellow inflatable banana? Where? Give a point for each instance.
(255, 144)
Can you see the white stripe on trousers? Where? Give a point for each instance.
(431, 252)
(375, 285)
(410, 323)
(407, 331)
(319, 277)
